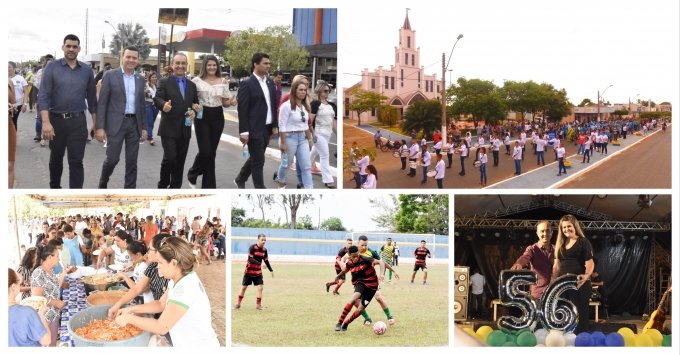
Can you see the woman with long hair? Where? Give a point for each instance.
(574, 255)
(184, 308)
(45, 283)
(371, 178)
(26, 326)
(213, 95)
(295, 134)
(151, 110)
(137, 251)
(28, 263)
(323, 116)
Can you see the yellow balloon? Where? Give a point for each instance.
(483, 332)
(470, 331)
(625, 331)
(629, 340)
(655, 336)
(643, 340)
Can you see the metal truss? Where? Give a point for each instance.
(623, 226)
(651, 282)
(545, 202)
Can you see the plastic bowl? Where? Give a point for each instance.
(87, 315)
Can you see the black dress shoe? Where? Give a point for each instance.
(275, 176)
(240, 185)
(330, 186)
(299, 186)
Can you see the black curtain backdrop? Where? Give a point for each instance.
(622, 263)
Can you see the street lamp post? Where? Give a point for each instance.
(122, 39)
(445, 66)
(598, 101)
(630, 112)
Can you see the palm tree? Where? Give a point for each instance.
(130, 35)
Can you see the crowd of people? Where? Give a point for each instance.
(154, 259)
(123, 104)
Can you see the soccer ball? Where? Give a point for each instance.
(379, 328)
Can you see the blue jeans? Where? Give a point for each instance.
(151, 113)
(462, 165)
(297, 147)
(518, 166)
(561, 166)
(482, 171)
(38, 126)
(540, 158)
(424, 174)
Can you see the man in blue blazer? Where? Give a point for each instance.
(176, 96)
(121, 113)
(257, 119)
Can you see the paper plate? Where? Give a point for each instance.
(116, 267)
(34, 302)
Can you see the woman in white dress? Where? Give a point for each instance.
(323, 116)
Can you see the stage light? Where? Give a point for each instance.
(482, 234)
(457, 234)
(496, 234)
(644, 237)
(594, 236)
(631, 237)
(527, 235)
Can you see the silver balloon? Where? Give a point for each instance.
(512, 296)
(557, 312)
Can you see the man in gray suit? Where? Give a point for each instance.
(120, 117)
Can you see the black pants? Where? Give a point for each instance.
(128, 134)
(15, 116)
(255, 164)
(69, 134)
(476, 305)
(440, 183)
(172, 167)
(581, 298)
(449, 156)
(403, 163)
(208, 132)
(495, 158)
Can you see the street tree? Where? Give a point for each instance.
(386, 209)
(332, 224)
(364, 101)
(283, 48)
(128, 34)
(525, 97)
(423, 214)
(305, 223)
(238, 215)
(479, 98)
(585, 102)
(423, 115)
(262, 202)
(388, 115)
(293, 203)
(558, 105)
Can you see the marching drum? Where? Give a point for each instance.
(396, 154)
(477, 164)
(431, 173)
(413, 164)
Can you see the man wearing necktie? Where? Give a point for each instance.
(121, 114)
(540, 257)
(174, 97)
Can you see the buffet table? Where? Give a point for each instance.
(75, 300)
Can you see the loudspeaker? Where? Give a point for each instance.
(461, 284)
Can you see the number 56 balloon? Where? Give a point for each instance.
(555, 312)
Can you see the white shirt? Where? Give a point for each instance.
(438, 145)
(324, 120)
(371, 182)
(265, 89)
(440, 168)
(137, 275)
(560, 152)
(211, 95)
(19, 86)
(477, 282)
(506, 140)
(481, 141)
(413, 151)
(362, 164)
(540, 144)
(291, 121)
(497, 144)
(463, 150)
(195, 326)
(517, 153)
(483, 158)
(120, 257)
(427, 158)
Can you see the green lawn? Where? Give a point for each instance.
(299, 312)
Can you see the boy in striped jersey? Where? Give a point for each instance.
(421, 253)
(339, 264)
(257, 254)
(365, 281)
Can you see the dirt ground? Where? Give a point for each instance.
(390, 174)
(214, 279)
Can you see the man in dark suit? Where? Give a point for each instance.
(257, 119)
(121, 113)
(175, 96)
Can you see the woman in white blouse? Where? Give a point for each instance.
(371, 178)
(295, 134)
(323, 118)
(213, 94)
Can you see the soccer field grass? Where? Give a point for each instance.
(299, 312)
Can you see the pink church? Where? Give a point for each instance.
(403, 83)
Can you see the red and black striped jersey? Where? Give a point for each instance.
(341, 253)
(256, 256)
(363, 272)
(421, 253)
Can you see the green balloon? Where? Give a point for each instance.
(496, 338)
(526, 339)
(666, 340)
(509, 344)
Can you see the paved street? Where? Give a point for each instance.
(626, 166)
(31, 167)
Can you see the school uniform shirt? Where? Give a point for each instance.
(362, 164)
(195, 326)
(427, 158)
(403, 150)
(371, 182)
(440, 168)
(464, 151)
(560, 152)
(483, 158)
(497, 144)
(413, 151)
(517, 153)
